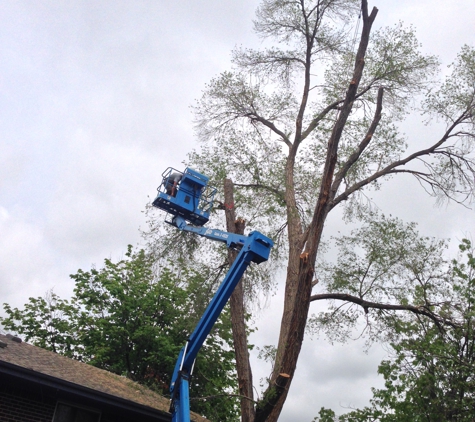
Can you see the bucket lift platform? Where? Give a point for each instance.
(185, 194)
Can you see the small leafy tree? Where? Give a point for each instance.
(49, 322)
(325, 415)
(127, 319)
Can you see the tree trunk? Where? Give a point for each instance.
(303, 249)
(238, 319)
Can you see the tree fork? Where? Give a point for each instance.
(270, 407)
(297, 300)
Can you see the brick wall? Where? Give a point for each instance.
(24, 406)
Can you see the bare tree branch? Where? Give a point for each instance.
(361, 147)
(333, 106)
(418, 310)
(392, 168)
(253, 116)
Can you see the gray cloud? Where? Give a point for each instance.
(94, 104)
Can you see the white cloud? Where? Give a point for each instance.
(25, 259)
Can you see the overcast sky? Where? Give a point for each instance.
(94, 105)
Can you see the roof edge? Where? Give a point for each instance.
(84, 392)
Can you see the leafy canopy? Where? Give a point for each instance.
(429, 375)
(131, 320)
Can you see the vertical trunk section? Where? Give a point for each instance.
(270, 406)
(294, 231)
(238, 319)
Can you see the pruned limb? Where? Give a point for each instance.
(238, 318)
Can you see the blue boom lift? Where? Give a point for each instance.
(188, 199)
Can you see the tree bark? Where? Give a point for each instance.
(238, 318)
(365, 304)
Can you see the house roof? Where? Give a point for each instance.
(32, 360)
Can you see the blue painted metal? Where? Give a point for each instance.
(232, 240)
(185, 194)
(253, 248)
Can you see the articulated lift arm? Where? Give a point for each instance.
(189, 199)
(254, 248)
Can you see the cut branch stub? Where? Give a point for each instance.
(271, 397)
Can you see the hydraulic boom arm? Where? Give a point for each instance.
(189, 199)
(254, 248)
